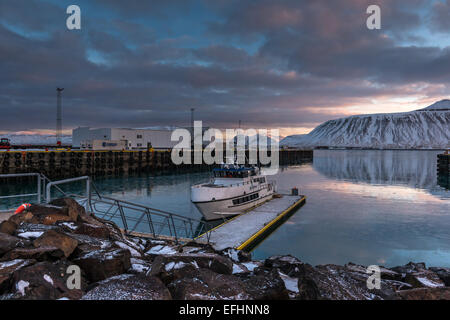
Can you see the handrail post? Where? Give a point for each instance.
(39, 183)
(88, 193)
(174, 229)
(150, 222)
(124, 219)
(192, 231)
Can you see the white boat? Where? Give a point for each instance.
(233, 190)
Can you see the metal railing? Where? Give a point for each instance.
(41, 183)
(131, 217)
(48, 194)
(37, 194)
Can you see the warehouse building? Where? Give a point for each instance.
(121, 138)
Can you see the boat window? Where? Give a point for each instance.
(245, 199)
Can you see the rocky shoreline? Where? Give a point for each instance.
(40, 247)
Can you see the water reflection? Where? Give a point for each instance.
(416, 169)
(368, 207)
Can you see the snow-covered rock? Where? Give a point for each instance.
(428, 128)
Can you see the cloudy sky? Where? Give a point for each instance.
(271, 64)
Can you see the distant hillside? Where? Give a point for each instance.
(428, 128)
(34, 139)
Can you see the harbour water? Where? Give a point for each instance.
(367, 207)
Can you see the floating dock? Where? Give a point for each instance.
(247, 230)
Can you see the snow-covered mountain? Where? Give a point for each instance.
(427, 128)
(34, 139)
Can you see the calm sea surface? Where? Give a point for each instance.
(367, 207)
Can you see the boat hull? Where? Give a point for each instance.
(220, 209)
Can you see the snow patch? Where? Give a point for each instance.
(70, 225)
(30, 234)
(159, 249)
(428, 283)
(133, 251)
(174, 265)
(48, 279)
(250, 266)
(290, 283)
(238, 269)
(21, 286)
(11, 263)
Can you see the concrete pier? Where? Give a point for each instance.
(74, 163)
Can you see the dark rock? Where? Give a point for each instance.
(139, 266)
(129, 287)
(385, 273)
(425, 278)
(214, 262)
(41, 210)
(266, 285)
(154, 250)
(244, 256)
(7, 269)
(104, 263)
(204, 284)
(51, 219)
(418, 276)
(409, 268)
(18, 218)
(92, 230)
(114, 232)
(425, 294)
(236, 255)
(62, 241)
(42, 281)
(33, 227)
(332, 282)
(91, 241)
(443, 274)
(168, 269)
(40, 254)
(134, 249)
(289, 265)
(70, 208)
(8, 227)
(9, 242)
(47, 214)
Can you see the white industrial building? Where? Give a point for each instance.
(121, 138)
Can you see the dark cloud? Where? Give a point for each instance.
(268, 63)
(440, 16)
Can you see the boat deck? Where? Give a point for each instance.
(246, 230)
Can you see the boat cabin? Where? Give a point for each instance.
(238, 173)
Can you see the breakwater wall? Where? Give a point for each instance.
(443, 170)
(62, 164)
